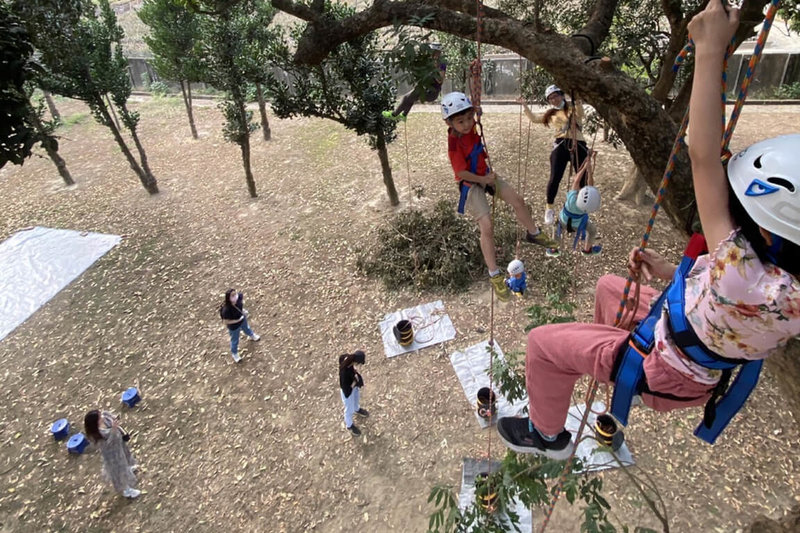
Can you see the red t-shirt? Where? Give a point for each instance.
(459, 147)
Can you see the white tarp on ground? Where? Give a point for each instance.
(35, 264)
(466, 497)
(431, 326)
(471, 366)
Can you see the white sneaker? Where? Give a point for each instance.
(131, 493)
(236, 358)
(255, 337)
(549, 217)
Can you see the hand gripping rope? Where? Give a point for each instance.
(623, 314)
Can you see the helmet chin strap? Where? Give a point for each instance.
(774, 248)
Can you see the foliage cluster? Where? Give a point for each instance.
(524, 478)
(432, 250)
(352, 86)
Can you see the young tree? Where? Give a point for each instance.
(226, 66)
(351, 86)
(174, 31)
(23, 125)
(259, 38)
(83, 58)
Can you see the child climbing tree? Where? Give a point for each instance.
(82, 53)
(352, 87)
(225, 46)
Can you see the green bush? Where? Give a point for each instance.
(159, 88)
(788, 92)
(434, 250)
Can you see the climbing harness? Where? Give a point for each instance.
(628, 374)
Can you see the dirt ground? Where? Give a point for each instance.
(260, 446)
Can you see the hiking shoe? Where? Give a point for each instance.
(131, 493)
(596, 249)
(519, 435)
(354, 430)
(498, 281)
(552, 252)
(363, 412)
(541, 239)
(236, 357)
(255, 337)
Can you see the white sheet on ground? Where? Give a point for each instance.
(471, 468)
(470, 366)
(36, 264)
(431, 326)
(593, 459)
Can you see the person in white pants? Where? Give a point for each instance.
(350, 383)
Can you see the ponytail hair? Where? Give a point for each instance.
(91, 424)
(346, 360)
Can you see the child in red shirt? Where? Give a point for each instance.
(468, 158)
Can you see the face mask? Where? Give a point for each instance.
(560, 105)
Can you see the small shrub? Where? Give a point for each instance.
(433, 250)
(159, 88)
(788, 92)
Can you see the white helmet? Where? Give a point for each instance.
(588, 199)
(453, 103)
(550, 90)
(516, 267)
(765, 178)
(435, 46)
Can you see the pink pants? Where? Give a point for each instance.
(559, 354)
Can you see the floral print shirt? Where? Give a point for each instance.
(738, 306)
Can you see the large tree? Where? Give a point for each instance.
(351, 86)
(23, 123)
(80, 46)
(226, 65)
(174, 31)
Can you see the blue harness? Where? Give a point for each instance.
(580, 230)
(463, 185)
(629, 378)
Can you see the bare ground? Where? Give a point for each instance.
(260, 446)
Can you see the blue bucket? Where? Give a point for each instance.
(60, 429)
(131, 397)
(77, 443)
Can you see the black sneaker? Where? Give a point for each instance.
(363, 412)
(354, 430)
(519, 435)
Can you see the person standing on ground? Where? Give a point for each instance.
(350, 383)
(103, 430)
(234, 315)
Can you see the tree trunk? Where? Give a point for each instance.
(388, 181)
(110, 107)
(140, 149)
(148, 181)
(187, 101)
(262, 108)
(245, 146)
(50, 145)
(634, 188)
(51, 105)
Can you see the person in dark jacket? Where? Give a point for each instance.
(350, 383)
(234, 315)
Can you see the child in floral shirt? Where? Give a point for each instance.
(742, 299)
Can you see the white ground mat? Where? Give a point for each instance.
(431, 326)
(471, 366)
(592, 459)
(471, 468)
(36, 264)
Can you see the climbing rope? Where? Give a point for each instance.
(676, 147)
